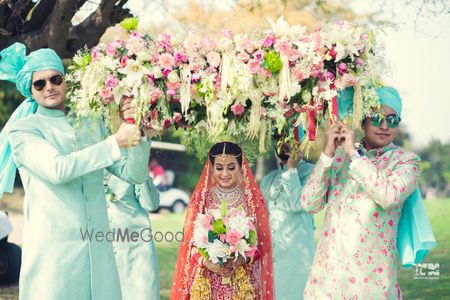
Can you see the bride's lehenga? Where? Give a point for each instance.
(253, 280)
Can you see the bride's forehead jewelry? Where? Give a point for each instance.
(223, 157)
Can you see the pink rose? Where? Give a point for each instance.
(243, 56)
(105, 93)
(269, 40)
(233, 236)
(283, 47)
(259, 55)
(342, 69)
(213, 59)
(111, 81)
(155, 94)
(237, 109)
(180, 58)
(177, 117)
(123, 62)
(171, 92)
(255, 66)
(167, 123)
(166, 61)
(298, 74)
(111, 48)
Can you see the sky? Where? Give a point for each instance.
(416, 51)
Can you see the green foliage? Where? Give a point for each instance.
(9, 100)
(436, 166)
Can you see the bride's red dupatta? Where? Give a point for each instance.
(186, 267)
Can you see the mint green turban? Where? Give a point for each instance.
(388, 96)
(17, 67)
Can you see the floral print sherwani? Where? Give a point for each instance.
(357, 251)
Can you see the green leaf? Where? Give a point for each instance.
(219, 227)
(212, 236)
(252, 237)
(203, 253)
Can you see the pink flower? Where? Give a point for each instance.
(252, 251)
(135, 44)
(359, 62)
(111, 48)
(195, 78)
(167, 123)
(166, 72)
(250, 225)
(105, 93)
(269, 40)
(342, 68)
(171, 92)
(255, 66)
(366, 280)
(111, 81)
(298, 74)
(213, 59)
(123, 62)
(237, 109)
(293, 54)
(173, 85)
(259, 55)
(391, 223)
(243, 56)
(375, 214)
(352, 280)
(180, 58)
(333, 52)
(155, 94)
(166, 61)
(233, 236)
(177, 117)
(222, 237)
(283, 47)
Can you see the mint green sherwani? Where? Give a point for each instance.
(62, 174)
(137, 262)
(292, 229)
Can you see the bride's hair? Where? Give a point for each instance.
(231, 149)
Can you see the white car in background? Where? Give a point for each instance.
(172, 198)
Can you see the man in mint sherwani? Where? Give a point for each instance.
(137, 262)
(62, 172)
(291, 226)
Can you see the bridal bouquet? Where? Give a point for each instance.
(224, 234)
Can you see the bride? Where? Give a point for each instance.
(226, 178)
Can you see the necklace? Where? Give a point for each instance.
(231, 197)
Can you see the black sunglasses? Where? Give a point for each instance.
(392, 120)
(40, 84)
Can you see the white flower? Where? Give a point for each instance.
(217, 250)
(134, 72)
(239, 223)
(282, 29)
(242, 247)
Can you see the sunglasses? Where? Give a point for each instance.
(40, 84)
(392, 120)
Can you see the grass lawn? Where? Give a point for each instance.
(438, 211)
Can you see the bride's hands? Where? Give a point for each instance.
(216, 268)
(235, 263)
